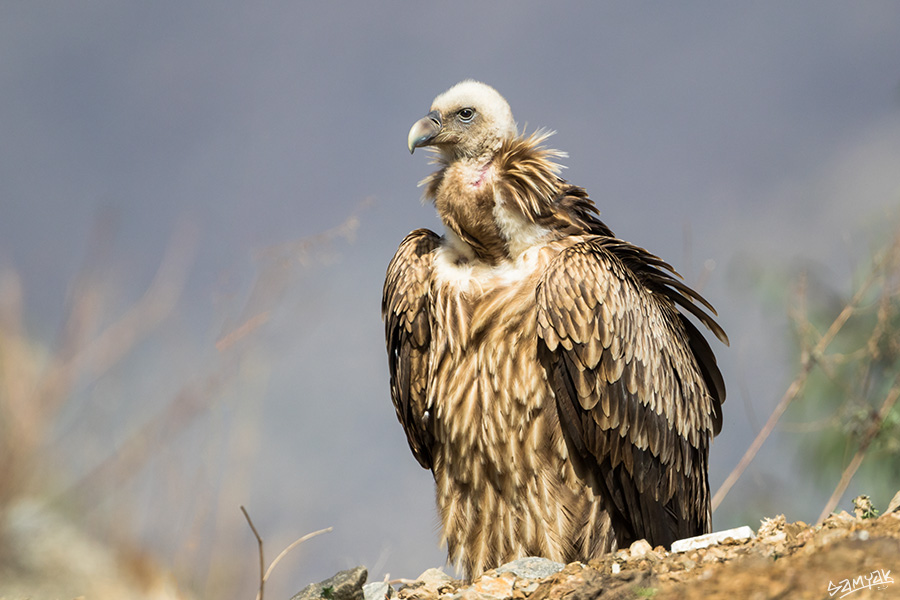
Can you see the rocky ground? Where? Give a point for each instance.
(847, 555)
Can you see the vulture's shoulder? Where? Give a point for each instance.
(409, 272)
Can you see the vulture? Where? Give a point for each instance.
(544, 370)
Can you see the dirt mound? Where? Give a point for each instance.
(845, 555)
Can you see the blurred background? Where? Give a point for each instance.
(198, 202)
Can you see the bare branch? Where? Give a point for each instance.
(296, 543)
(808, 361)
(262, 561)
(265, 573)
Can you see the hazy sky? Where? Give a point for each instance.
(725, 134)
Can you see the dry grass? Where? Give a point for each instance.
(264, 572)
(42, 385)
(879, 291)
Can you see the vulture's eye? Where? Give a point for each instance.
(466, 114)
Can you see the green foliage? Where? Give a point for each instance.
(863, 508)
(849, 344)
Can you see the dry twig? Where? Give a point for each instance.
(262, 560)
(809, 360)
(265, 573)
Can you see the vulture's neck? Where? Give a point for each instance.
(496, 206)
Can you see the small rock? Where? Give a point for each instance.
(378, 590)
(640, 548)
(573, 583)
(346, 585)
(714, 554)
(434, 575)
(430, 585)
(837, 520)
(531, 567)
(493, 587)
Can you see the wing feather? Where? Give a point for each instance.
(407, 328)
(637, 387)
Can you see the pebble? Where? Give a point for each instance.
(640, 548)
(346, 585)
(532, 567)
(378, 590)
(493, 587)
(434, 575)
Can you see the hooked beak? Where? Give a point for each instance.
(424, 130)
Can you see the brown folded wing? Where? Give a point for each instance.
(408, 336)
(638, 390)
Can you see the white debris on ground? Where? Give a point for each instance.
(703, 541)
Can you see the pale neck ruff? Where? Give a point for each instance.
(454, 265)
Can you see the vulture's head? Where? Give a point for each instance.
(467, 121)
